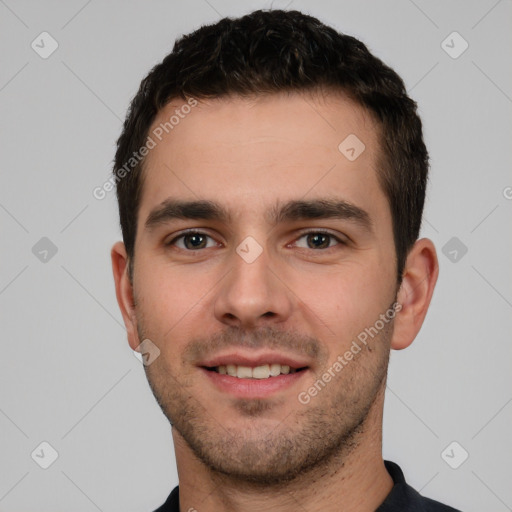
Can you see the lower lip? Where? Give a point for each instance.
(253, 388)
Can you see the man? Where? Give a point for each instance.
(271, 177)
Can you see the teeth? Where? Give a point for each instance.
(244, 372)
(259, 372)
(275, 370)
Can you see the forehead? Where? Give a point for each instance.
(248, 152)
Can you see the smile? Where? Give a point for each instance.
(253, 382)
(264, 371)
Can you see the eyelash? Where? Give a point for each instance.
(302, 234)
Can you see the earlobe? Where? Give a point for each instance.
(124, 292)
(415, 293)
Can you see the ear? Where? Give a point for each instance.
(418, 282)
(124, 292)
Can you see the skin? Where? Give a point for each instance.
(248, 154)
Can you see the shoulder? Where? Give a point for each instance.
(404, 497)
(172, 504)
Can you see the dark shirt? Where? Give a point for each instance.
(402, 498)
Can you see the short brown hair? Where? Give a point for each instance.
(267, 52)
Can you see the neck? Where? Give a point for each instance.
(358, 480)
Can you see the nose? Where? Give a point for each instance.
(252, 294)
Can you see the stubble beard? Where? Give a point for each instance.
(311, 439)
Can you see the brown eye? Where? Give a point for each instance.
(193, 241)
(318, 240)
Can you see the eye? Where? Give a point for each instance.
(192, 240)
(318, 240)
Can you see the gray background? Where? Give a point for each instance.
(67, 374)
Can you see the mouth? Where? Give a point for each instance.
(259, 381)
(254, 375)
(260, 372)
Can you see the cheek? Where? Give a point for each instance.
(343, 302)
(167, 301)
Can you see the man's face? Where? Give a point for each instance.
(299, 290)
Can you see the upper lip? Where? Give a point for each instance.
(252, 360)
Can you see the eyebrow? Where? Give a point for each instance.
(295, 210)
